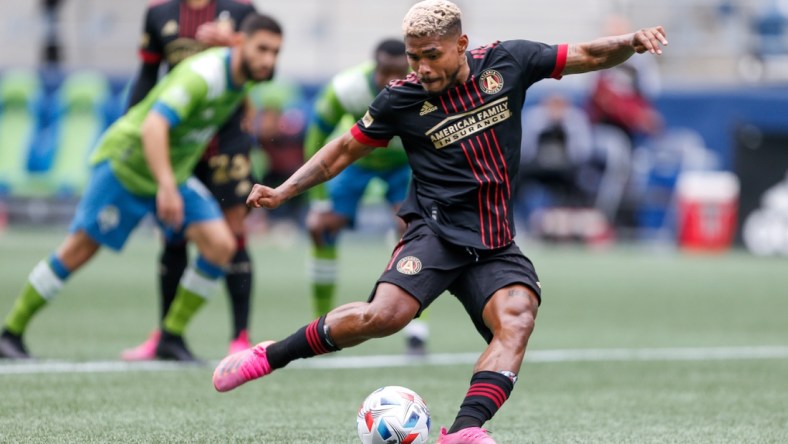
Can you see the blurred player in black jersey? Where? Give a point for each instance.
(174, 30)
(459, 117)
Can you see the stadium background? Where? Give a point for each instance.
(722, 79)
(324, 37)
(638, 342)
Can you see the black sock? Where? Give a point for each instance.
(311, 340)
(172, 263)
(488, 392)
(239, 287)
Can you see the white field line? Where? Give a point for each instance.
(437, 359)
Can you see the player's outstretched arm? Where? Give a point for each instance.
(325, 164)
(607, 52)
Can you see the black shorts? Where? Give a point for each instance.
(226, 169)
(425, 266)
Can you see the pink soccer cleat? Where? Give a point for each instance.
(242, 367)
(240, 343)
(471, 435)
(143, 352)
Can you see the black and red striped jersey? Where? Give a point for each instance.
(171, 25)
(464, 145)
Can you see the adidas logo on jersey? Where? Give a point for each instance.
(427, 108)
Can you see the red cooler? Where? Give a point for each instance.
(707, 209)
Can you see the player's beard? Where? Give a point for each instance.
(247, 71)
(452, 82)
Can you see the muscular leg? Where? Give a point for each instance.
(76, 250)
(417, 332)
(239, 272)
(44, 283)
(347, 326)
(389, 312)
(510, 315)
(216, 247)
(184, 291)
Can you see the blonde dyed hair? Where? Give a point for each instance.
(432, 18)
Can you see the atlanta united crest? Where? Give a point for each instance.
(491, 81)
(409, 265)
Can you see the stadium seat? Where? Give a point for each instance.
(770, 27)
(20, 92)
(80, 118)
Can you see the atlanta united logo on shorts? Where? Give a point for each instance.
(491, 81)
(409, 265)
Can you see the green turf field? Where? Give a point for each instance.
(631, 346)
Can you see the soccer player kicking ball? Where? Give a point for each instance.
(143, 165)
(458, 115)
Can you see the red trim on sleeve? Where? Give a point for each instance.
(560, 61)
(366, 140)
(149, 57)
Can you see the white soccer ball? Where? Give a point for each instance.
(393, 415)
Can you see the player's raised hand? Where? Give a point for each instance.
(649, 39)
(214, 34)
(262, 196)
